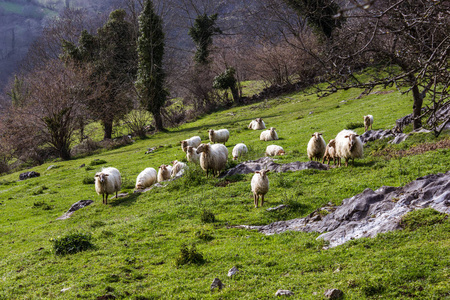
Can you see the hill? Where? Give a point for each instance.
(139, 238)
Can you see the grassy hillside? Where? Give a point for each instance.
(137, 239)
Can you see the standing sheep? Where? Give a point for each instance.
(330, 152)
(368, 121)
(193, 142)
(192, 155)
(316, 147)
(269, 135)
(274, 150)
(164, 172)
(238, 150)
(213, 157)
(348, 146)
(257, 124)
(108, 181)
(260, 186)
(146, 178)
(219, 136)
(177, 166)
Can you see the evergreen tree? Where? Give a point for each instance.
(201, 33)
(151, 76)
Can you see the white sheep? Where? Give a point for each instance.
(146, 178)
(238, 150)
(348, 146)
(213, 157)
(260, 186)
(257, 124)
(316, 147)
(368, 121)
(192, 155)
(274, 150)
(193, 142)
(269, 135)
(330, 152)
(164, 172)
(177, 166)
(108, 181)
(219, 136)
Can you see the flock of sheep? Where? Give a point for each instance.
(213, 158)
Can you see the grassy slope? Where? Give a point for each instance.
(138, 238)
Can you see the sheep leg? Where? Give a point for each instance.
(262, 199)
(106, 199)
(346, 162)
(255, 201)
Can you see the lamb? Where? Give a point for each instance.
(368, 121)
(330, 152)
(257, 124)
(219, 136)
(177, 166)
(193, 142)
(146, 178)
(213, 157)
(260, 186)
(348, 146)
(269, 135)
(108, 181)
(164, 172)
(316, 147)
(238, 150)
(192, 155)
(274, 150)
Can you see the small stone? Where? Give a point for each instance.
(216, 284)
(82, 166)
(337, 270)
(51, 167)
(281, 206)
(65, 289)
(284, 293)
(333, 293)
(233, 271)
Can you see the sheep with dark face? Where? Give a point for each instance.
(260, 186)
(316, 147)
(269, 135)
(193, 142)
(108, 181)
(330, 152)
(348, 146)
(164, 172)
(257, 124)
(213, 157)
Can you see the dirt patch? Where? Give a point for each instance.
(419, 149)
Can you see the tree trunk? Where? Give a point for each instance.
(235, 93)
(107, 127)
(417, 107)
(158, 120)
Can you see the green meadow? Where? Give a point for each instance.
(165, 244)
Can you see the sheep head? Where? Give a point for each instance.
(316, 135)
(203, 148)
(262, 173)
(332, 143)
(183, 144)
(281, 152)
(101, 177)
(351, 140)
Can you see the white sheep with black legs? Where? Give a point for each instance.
(239, 150)
(193, 142)
(108, 181)
(213, 157)
(164, 172)
(274, 150)
(330, 152)
(260, 186)
(177, 166)
(368, 121)
(146, 178)
(192, 155)
(269, 135)
(219, 136)
(257, 124)
(316, 147)
(348, 146)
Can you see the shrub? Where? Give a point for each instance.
(88, 180)
(207, 216)
(72, 243)
(422, 217)
(204, 236)
(43, 205)
(96, 162)
(189, 256)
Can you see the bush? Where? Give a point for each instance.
(96, 162)
(204, 236)
(207, 216)
(354, 125)
(88, 180)
(72, 243)
(422, 217)
(189, 256)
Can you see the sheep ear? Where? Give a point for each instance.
(357, 135)
(106, 175)
(96, 175)
(320, 134)
(346, 136)
(257, 172)
(312, 134)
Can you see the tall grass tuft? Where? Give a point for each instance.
(72, 243)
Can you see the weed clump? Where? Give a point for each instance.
(43, 205)
(189, 256)
(204, 236)
(97, 162)
(88, 180)
(354, 125)
(72, 243)
(207, 216)
(422, 217)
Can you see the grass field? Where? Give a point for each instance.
(137, 240)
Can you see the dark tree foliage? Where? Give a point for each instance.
(151, 76)
(201, 33)
(227, 80)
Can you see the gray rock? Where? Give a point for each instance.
(51, 167)
(76, 206)
(233, 271)
(284, 293)
(333, 293)
(82, 166)
(216, 284)
(28, 175)
(373, 135)
(281, 206)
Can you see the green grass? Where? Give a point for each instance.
(140, 242)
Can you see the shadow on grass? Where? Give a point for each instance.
(125, 201)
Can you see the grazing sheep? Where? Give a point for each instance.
(316, 147)
(260, 186)
(193, 142)
(108, 181)
(213, 157)
(238, 150)
(192, 155)
(368, 121)
(219, 136)
(274, 150)
(330, 152)
(146, 178)
(177, 166)
(257, 124)
(269, 135)
(164, 172)
(348, 146)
